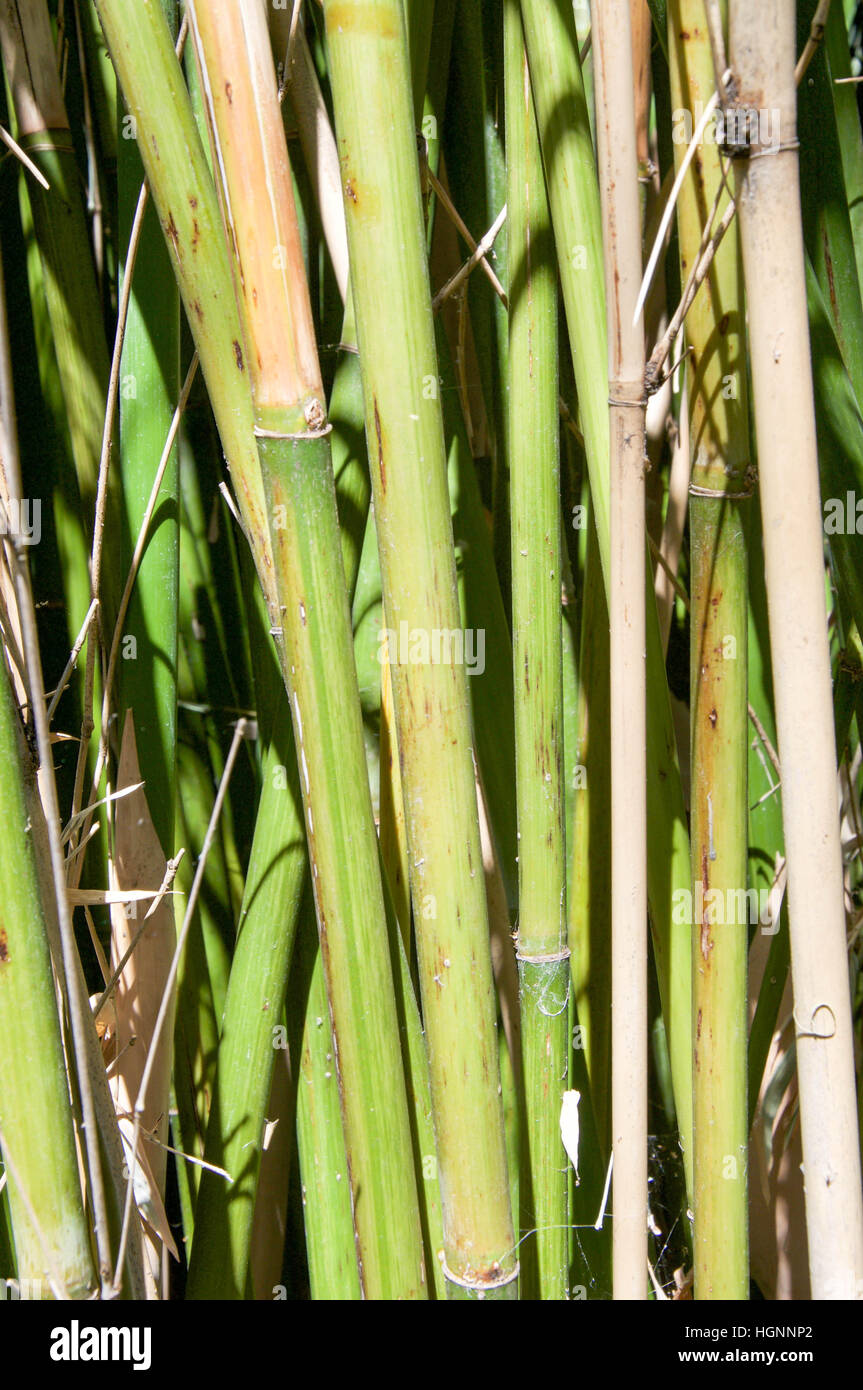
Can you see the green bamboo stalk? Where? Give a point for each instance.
(196, 1029)
(182, 189)
(570, 171)
(719, 432)
(69, 277)
(67, 311)
(277, 871)
(209, 677)
(50, 1228)
(827, 228)
(839, 430)
(45, 448)
(374, 124)
(249, 1037)
(434, 102)
(765, 813)
(146, 685)
(847, 124)
(590, 896)
(534, 466)
(482, 607)
(477, 177)
(316, 647)
(149, 377)
(346, 889)
(327, 1214)
(215, 680)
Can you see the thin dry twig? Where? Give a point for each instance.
(765, 739)
(668, 210)
(73, 658)
(816, 34)
(455, 217)
(710, 244)
(24, 158)
(713, 14)
(478, 254)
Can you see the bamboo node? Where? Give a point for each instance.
(479, 1285)
(750, 478)
(553, 959)
(50, 147)
(775, 149)
(261, 433)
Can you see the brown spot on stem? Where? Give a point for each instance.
(713, 718)
(229, 93)
(193, 202)
(828, 266)
(698, 1026)
(706, 943)
(350, 191)
(196, 234)
(380, 447)
(238, 353)
(172, 234)
(619, 344)
(196, 305)
(723, 324)
(4, 947)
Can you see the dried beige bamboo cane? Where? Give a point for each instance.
(615, 124)
(762, 43)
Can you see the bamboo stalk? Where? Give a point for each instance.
(52, 1242)
(386, 237)
(564, 129)
(277, 865)
(534, 466)
(317, 652)
(719, 433)
(149, 376)
(768, 199)
(250, 1037)
(49, 914)
(61, 233)
(327, 1213)
(618, 163)
(181, 186)
(146, 686)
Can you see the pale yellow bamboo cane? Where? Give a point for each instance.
(762, 43)
(615, 125)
